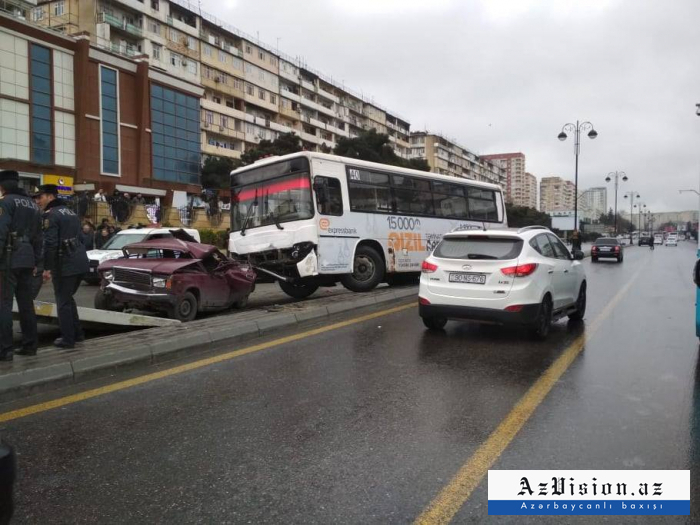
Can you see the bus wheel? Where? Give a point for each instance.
(367, 271)
(298, 290)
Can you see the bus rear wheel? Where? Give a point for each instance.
(367, 270)
(299, 290)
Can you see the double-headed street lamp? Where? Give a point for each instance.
(576, 129)
(642, 209)
(617, 175)
(631, 196)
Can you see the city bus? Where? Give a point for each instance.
(312, 219)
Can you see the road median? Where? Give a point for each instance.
(100, 357)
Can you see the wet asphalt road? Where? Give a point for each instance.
(366, 423)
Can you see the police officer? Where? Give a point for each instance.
(65, 261)
(20, 260)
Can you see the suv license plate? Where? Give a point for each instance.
(471, 278)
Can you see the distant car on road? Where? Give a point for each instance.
(607, 248)
(672, 240)
(658, 238)
(113, 247)
(645, 240)
(525, 277)
(177, 277)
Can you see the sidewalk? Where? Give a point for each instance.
(52, 368)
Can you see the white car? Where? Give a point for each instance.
(524, 277)
(113, 247)
(672, 240)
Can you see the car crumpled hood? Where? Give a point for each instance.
(103, 255)
(159, 266)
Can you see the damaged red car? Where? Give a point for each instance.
(175, 277)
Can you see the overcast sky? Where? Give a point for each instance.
(506, 75)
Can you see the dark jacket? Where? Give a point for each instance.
(20, 222)
(88, 240)
(64, 251)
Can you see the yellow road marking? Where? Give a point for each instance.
(88, 394)
(451, 498)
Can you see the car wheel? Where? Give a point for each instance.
(619, 259)
(298, 290)
(540, 328)
(434, 323)
(580, 304)
(185, 309)
(367, 271)
(241, 303)
(105, 301)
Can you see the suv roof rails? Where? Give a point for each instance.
(528, 228)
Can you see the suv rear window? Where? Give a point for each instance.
(607, 242)
(498, 248)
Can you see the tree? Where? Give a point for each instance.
(375, 147)
(623, 225)
(284, 144)
(521, 216)
(216, 172)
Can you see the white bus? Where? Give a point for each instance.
(312, 219)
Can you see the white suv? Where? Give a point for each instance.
(525, 277)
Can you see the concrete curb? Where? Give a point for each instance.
(104, 356)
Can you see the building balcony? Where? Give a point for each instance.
(120, 25)
(140, 7)
(210, 149)
(184, 27)
(308, 85)
(221, 87)
(223, 131)
(289, 76)
(289, 112)
(318, 107)
(290, 95)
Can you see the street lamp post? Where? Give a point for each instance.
(617, 175)
(631, 195)
(576, 129)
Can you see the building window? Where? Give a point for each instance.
(248, 49)
(261, 55)
(224, 121)
(157, 51)
(175, 59)
(59, 8)
(273, 99)
(176, 135)
(261, 94)
(208, 117)
(155, 5)
(217, 100)
(109, 106)
(238, 84)
(250, 89)
(154, 27)
(37, 14)
(191, 43)
(192, 67)
(207, 50)
(41, 104)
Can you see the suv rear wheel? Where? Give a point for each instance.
(543, 322)
(434, 323)
(580, 305)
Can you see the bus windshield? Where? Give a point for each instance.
(271, 194)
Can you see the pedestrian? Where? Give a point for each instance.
(576, 240)
(101, 238)
(65, 262)
(138, 199)
(100, 196)
(20, 259)
(88, 236)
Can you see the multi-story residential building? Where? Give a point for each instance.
(136, 126)
(447, 157)
(596, 200)
(514, 164)
(556, 194)
(251, 91)
(524, 190)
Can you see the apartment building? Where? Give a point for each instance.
(556, 194)
(446, 157)
(595, 200)
(524, 190)
(138, 128)
(251, 92)
(514, 165)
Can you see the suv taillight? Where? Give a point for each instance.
(617, 248)
(427, 267)
(522, 270)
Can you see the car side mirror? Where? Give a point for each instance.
(578, 255)
(696, 273)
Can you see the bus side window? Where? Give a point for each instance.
(329, 198)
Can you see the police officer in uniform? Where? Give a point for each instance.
(65, 261)
(20, 260)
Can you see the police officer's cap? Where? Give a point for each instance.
(48, 189)
(9, 175)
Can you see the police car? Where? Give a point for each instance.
(113, 247)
